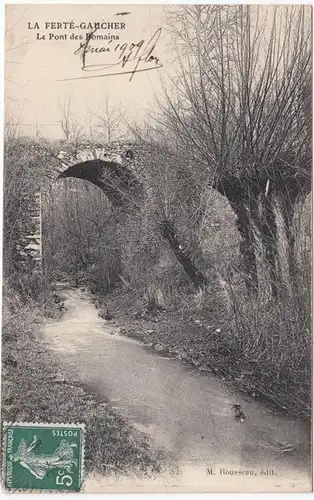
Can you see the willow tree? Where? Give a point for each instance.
(240, 108)
(176, 204)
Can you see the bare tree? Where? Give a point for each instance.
(91, 131)
(111, 120)
(12, 125)
(240, 116)
(71, 128)
(37, 129)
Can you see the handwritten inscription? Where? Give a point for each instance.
(128, 58)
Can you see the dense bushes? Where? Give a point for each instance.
(86, 241)
(223, 227)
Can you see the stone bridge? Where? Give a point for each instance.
(119, 171)
(115, 168)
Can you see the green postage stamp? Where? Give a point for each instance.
(39, 456)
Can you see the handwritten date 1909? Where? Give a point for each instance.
(141, 54)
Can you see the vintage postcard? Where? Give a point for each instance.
(156, 326)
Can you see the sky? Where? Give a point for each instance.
(42, 73)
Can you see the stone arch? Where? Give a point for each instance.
(114, 168)
(119, 184)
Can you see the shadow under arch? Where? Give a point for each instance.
(80, 235)
(126, 192)
(119, 184)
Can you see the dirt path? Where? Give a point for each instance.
(185, 412)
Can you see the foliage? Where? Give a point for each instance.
(223, 229)
(240, 114)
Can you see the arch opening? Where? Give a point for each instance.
(112, 168)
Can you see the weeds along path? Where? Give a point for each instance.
(187, 413)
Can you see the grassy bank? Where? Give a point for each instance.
(36, 389)
(262, 352)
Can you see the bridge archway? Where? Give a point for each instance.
(114, 168)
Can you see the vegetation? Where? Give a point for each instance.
(215, 262)
(36, 389)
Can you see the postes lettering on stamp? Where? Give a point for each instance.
(43, 456)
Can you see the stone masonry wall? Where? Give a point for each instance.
(29, 246)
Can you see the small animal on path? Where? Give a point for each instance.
(238, 412)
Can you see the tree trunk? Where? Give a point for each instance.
(247, 246)
(257, 227)
(236, 194)
(265, 237)
(272, 217)
(266, 213)
(169, 233)
(258, 247)
(288, 210)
